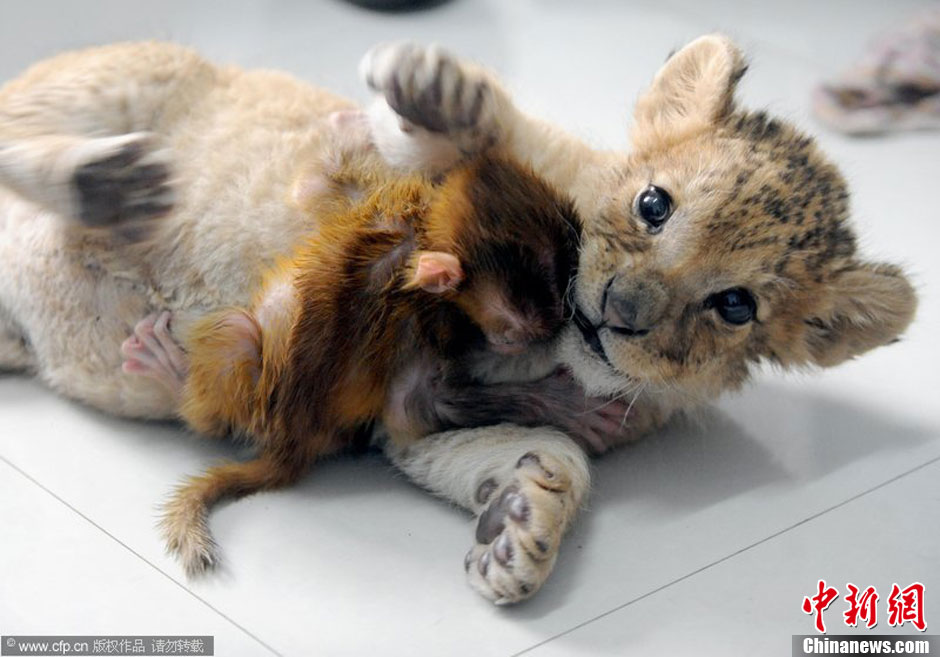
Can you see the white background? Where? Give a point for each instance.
(702, 540)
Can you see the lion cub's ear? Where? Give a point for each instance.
(692, 91)
(865, 306)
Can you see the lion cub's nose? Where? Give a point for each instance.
(633, 307)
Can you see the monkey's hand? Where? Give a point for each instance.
(432, 108)
(152, 352)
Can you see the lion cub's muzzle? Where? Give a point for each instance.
(631, 306)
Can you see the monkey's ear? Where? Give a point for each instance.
(436, 272)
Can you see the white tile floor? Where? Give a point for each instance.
(701, 541)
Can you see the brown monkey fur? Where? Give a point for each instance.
(393, 290)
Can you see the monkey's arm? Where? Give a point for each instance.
(434, 109)
(558, 401)
(524, 484)
(423, 402)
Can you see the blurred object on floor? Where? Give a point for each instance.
(894, 86)
(397, 5)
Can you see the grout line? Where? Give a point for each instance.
(729, 556)
(141, 557)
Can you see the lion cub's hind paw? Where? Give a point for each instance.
(123, 182)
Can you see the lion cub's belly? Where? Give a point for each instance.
(75, 298)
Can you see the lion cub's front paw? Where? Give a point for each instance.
(121, 180)
(428, 86)
(431, 92)
(519, 532)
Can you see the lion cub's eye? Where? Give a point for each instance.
(736, 305)
(655, 205)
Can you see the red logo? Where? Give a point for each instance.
(861, 607)
(904, 605)
(819, 603)
(907, 605)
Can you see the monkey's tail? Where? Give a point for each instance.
(185, 522)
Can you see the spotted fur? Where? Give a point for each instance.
(758, 207)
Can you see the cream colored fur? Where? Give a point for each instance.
(554, 480)
(234, 140)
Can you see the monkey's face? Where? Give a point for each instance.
(515, 289)
(514, 311)
(517, 240)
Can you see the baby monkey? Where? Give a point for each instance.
(394, 292)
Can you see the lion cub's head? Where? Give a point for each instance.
(726, 241)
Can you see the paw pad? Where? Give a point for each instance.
(502, 549)
(484, 564)
(485, 490)
(519, 532)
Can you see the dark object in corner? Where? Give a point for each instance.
(397, 5)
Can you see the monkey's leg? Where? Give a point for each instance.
(153, 353)
(185, 522)
(224, 371)
(214, 379)
(524, 485)
(435, 109)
